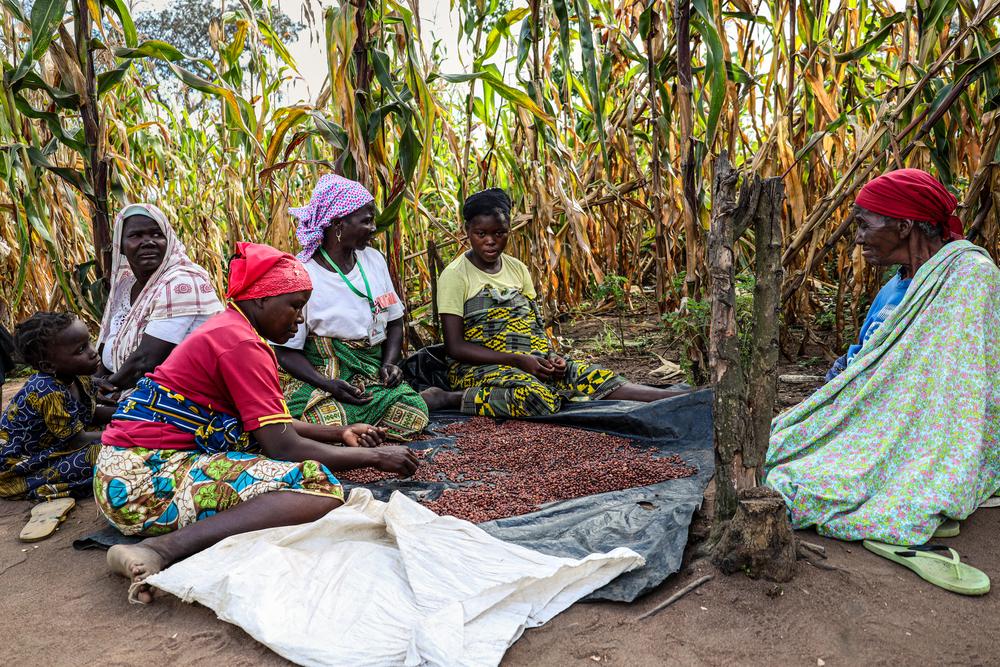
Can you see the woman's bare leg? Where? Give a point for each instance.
(642, 393)
(439, 399)
(277, 508)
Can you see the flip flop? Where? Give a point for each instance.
(948, 572)
(948, 528)
(992, 501)
(45, 518)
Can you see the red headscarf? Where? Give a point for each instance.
(912, 194)
(259, 270)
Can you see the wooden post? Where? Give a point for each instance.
(751, 522)
(763, 385)
(731, 417)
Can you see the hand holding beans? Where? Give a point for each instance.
(540, 367)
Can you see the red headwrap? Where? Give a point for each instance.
(912, 194)
(259, 270)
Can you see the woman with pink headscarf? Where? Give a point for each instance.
(341, 364)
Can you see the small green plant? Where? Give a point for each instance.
(613, 287)
(688, 327)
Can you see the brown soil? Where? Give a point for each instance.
(61, 606)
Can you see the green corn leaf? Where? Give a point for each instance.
(109, 80)
(389, 214)
(589, 53)
(330, 131)
(14, 8)
(153, 48)
(562, 16)
(499, 31)
(409, 152)
(715, 67)
(46, 15)
(128, 25)
(52, 120)
(523, 43)
(645, 19)
(381, 65)
(62, 98)
(71, 176)
(869, 45)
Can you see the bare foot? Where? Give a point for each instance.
(439, 399)
(136, 562)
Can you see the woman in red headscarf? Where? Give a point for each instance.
(205, 448)
(904, 217)
(906, 434)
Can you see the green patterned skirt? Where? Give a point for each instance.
(399, 409)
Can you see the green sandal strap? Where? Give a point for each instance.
(927, 551)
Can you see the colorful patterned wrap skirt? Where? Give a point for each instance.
(155, 491)
(399, 409)
(508, 321)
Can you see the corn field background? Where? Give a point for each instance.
(602, 118)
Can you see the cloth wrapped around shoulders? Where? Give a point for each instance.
(909, 433)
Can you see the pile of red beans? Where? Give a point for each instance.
(515, 467)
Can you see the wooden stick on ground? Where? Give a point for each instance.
(677, 596)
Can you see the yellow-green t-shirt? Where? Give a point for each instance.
(461, 280)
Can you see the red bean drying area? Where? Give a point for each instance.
(514, 467)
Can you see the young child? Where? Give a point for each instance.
(46, 450)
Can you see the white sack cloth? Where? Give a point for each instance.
(375, 583)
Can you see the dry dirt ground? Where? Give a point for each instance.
(61, 607)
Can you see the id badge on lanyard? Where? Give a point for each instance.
(380, 319)
(376, 333)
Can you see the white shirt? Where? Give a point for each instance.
(172, 330)
(335, 311)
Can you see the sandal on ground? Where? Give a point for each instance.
(948, 572)
(45, 518)
(948, 528)
(992, 501)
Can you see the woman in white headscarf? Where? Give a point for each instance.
(158, 296)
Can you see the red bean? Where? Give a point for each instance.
(514, 467)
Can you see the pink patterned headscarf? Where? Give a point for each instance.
(333, 198)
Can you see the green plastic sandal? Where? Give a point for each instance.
(948, 528)
(992, 501)
(949, 572)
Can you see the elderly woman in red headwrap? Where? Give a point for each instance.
(906, 434)
(205, 448)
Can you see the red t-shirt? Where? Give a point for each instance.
(225, 366)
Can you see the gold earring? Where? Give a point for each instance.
(339, 232)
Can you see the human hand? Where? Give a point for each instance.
(540, 367)
(362, 435)
(397, 459)
(345, 392)
(558, 367)
(106, 392)
(391, 375)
